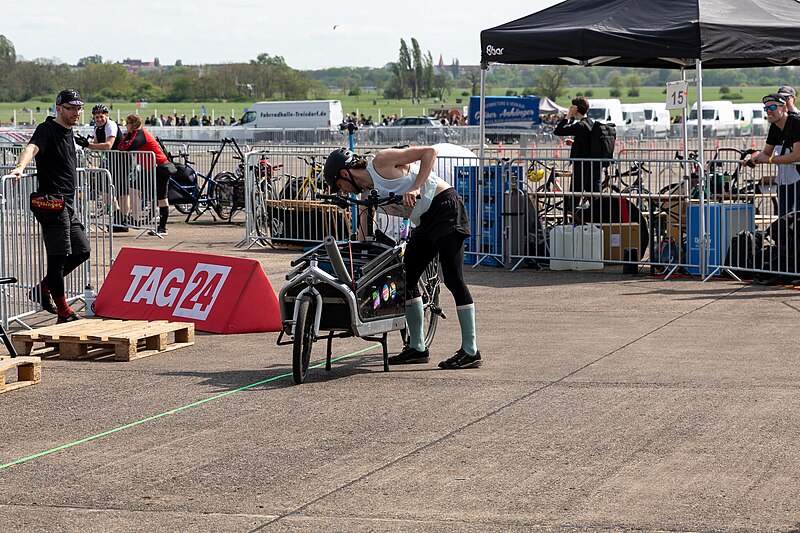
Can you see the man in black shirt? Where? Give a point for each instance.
(586, 175)
(53, 146)
(783, 149)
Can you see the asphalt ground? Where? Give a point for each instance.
(606, 402)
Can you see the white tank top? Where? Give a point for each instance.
(400, 186)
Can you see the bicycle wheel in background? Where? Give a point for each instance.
(224, 191)
(430, 288)
(263, 209)
(183, 209)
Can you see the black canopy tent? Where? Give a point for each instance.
(650, 33)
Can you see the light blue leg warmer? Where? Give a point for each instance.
(466, 319)
(414, 319)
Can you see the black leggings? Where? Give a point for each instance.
(420, 252)
(59, 266)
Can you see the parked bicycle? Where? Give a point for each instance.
(192, 192)
(265, 198)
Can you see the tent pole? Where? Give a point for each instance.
(701, 224)
(687, 168)
(482, 122)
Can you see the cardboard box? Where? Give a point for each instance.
(616, 237)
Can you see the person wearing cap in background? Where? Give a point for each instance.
(783, 149)
(53, 146)
(790, 95)
(107, 136)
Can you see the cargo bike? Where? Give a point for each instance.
(353, 288)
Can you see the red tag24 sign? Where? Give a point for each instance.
(193, 298)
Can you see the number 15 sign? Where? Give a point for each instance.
(677, 94)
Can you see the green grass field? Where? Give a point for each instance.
(368, 103)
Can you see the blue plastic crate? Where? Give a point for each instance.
(723, 222)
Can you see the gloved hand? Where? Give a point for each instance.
(81, 141)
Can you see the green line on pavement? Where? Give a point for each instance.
(172, 411)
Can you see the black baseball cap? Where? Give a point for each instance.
(774, 98)
(69, 96)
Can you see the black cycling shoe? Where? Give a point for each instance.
(410, 356)
(72, 317)
(45, 300)
(462, 359)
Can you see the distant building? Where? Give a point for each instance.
(136, 65)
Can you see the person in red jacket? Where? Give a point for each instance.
(139, 139)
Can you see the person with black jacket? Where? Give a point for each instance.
(586, 175)
(53, 203)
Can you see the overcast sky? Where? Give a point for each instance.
(309, 34)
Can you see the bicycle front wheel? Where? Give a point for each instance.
(303, 339)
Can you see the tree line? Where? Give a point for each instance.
(412, 75)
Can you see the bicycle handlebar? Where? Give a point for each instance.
(372, 201)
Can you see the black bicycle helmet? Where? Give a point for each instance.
(335, 162)
(100, 108)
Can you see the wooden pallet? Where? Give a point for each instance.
(125, 339)
(29, 372)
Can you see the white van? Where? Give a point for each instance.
(606, 110)
(656, 119)
(634, 119)
(743, 113)
(760, 124)
(307, 114)
(718, 119)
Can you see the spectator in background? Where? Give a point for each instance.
(586, 175)
(107, 136)
(790, 95)
(139, 139)
(783, 134)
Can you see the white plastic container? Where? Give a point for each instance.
(576, 248)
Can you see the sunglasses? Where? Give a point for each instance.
(771, 107)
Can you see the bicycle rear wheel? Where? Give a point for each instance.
(429, 287)
(224, 195)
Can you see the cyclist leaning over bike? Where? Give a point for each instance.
(139, 139)
(441, 223)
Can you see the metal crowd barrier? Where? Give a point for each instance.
(522, 211)
(280, 201)
(647, 214)
(22, 253)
